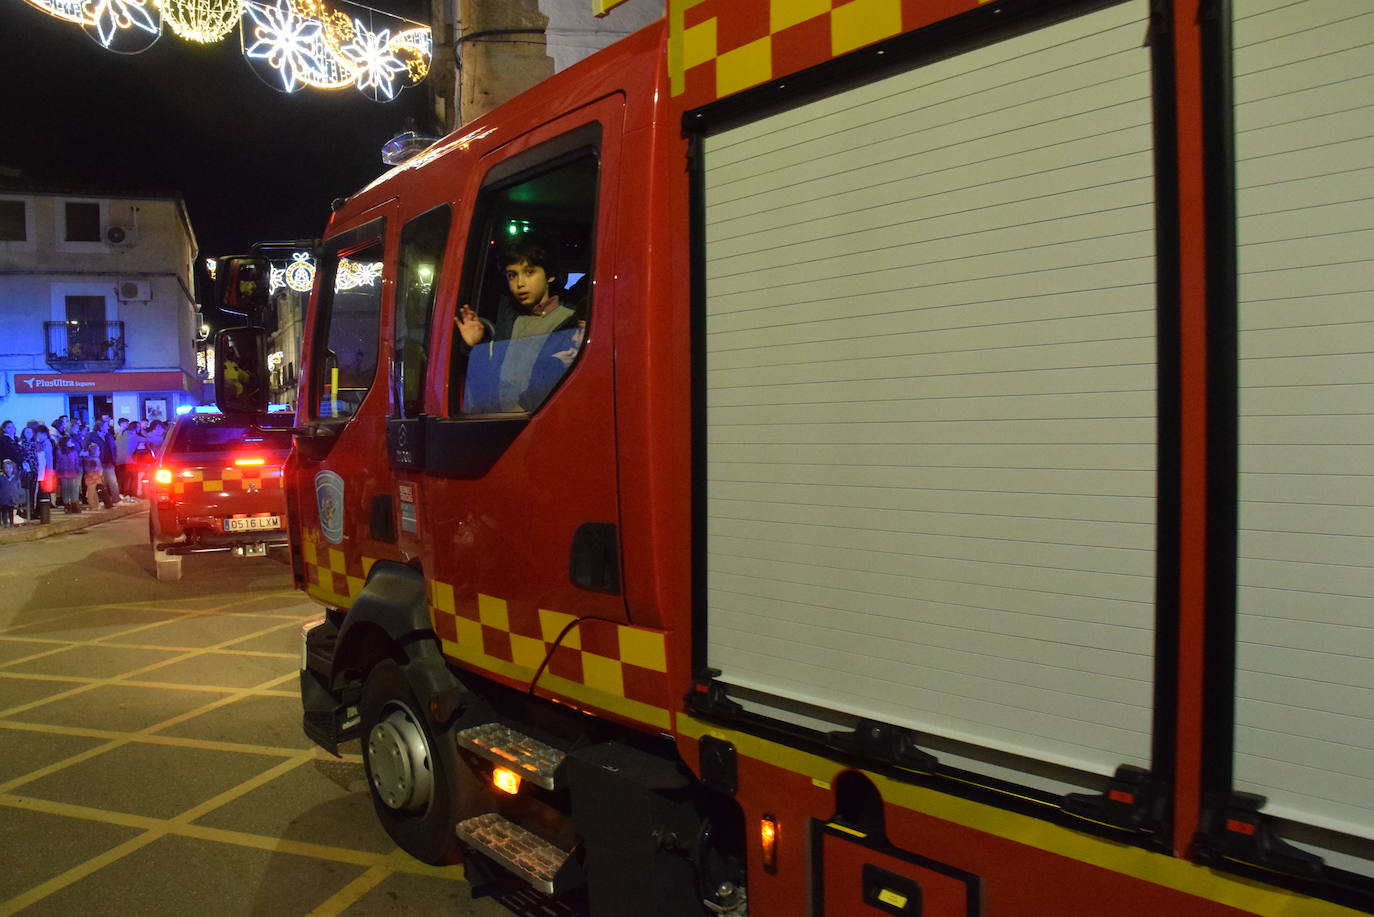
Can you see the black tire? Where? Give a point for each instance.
(412, 796)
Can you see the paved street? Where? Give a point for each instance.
(151, 756)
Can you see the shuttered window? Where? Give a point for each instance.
(931, 397)
(1304, 120)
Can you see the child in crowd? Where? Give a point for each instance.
(67, 457)
(11, 492)
(92, 474)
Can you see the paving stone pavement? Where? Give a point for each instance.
(152, 762)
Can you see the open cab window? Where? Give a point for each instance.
(526, 299)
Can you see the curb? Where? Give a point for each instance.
(61, 523)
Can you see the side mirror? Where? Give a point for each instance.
(243, 287)
(241, 380)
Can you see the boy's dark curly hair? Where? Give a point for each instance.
(531, 251)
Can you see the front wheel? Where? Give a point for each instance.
(406, 774)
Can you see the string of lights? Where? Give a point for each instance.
(290, 44)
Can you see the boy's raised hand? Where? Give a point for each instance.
(469, 326)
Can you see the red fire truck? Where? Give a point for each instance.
(932, 478)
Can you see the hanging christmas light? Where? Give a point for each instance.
(70, 10)
(353, 274)
(377, 66)
(300, 273)
(417, 49)
(290, 44)
(204, 21)
(122, 26)
(287, 44)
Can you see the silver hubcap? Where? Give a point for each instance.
(399, 761)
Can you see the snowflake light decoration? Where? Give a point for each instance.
(374, 61)
(290, 44)
(353, 274)
(124, 26)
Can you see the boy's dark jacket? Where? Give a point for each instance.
(11, 492)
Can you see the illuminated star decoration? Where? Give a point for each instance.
(375, 61)
(124, 26)
(288, 44)
(336, 51)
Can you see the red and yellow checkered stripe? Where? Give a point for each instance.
(719, 47)
(614, 668)
(198, 480)
(330, 575)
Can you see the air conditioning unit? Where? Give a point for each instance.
(135, 290)
(121, 235)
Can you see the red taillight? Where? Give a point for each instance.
(163, 476)
(250, 461)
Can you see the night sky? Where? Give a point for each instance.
(252, 163)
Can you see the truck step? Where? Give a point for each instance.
(548, 868)
(531, 759)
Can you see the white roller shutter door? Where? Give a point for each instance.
(931, 397)
(1304, 109)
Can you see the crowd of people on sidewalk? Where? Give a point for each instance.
(73, 466)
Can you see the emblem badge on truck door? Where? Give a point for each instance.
(329, 493)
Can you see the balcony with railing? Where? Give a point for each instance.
(85, 346)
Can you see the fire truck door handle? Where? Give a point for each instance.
(595, 560)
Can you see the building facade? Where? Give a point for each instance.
(487, 51)
(97, 297)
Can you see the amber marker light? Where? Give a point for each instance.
(506, 781)
(768, 838)
(162, 476)
(250, 461)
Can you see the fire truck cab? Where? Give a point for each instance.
(470, 512)
(928, 479)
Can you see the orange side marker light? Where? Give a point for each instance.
(768, 838)
(506, 781)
